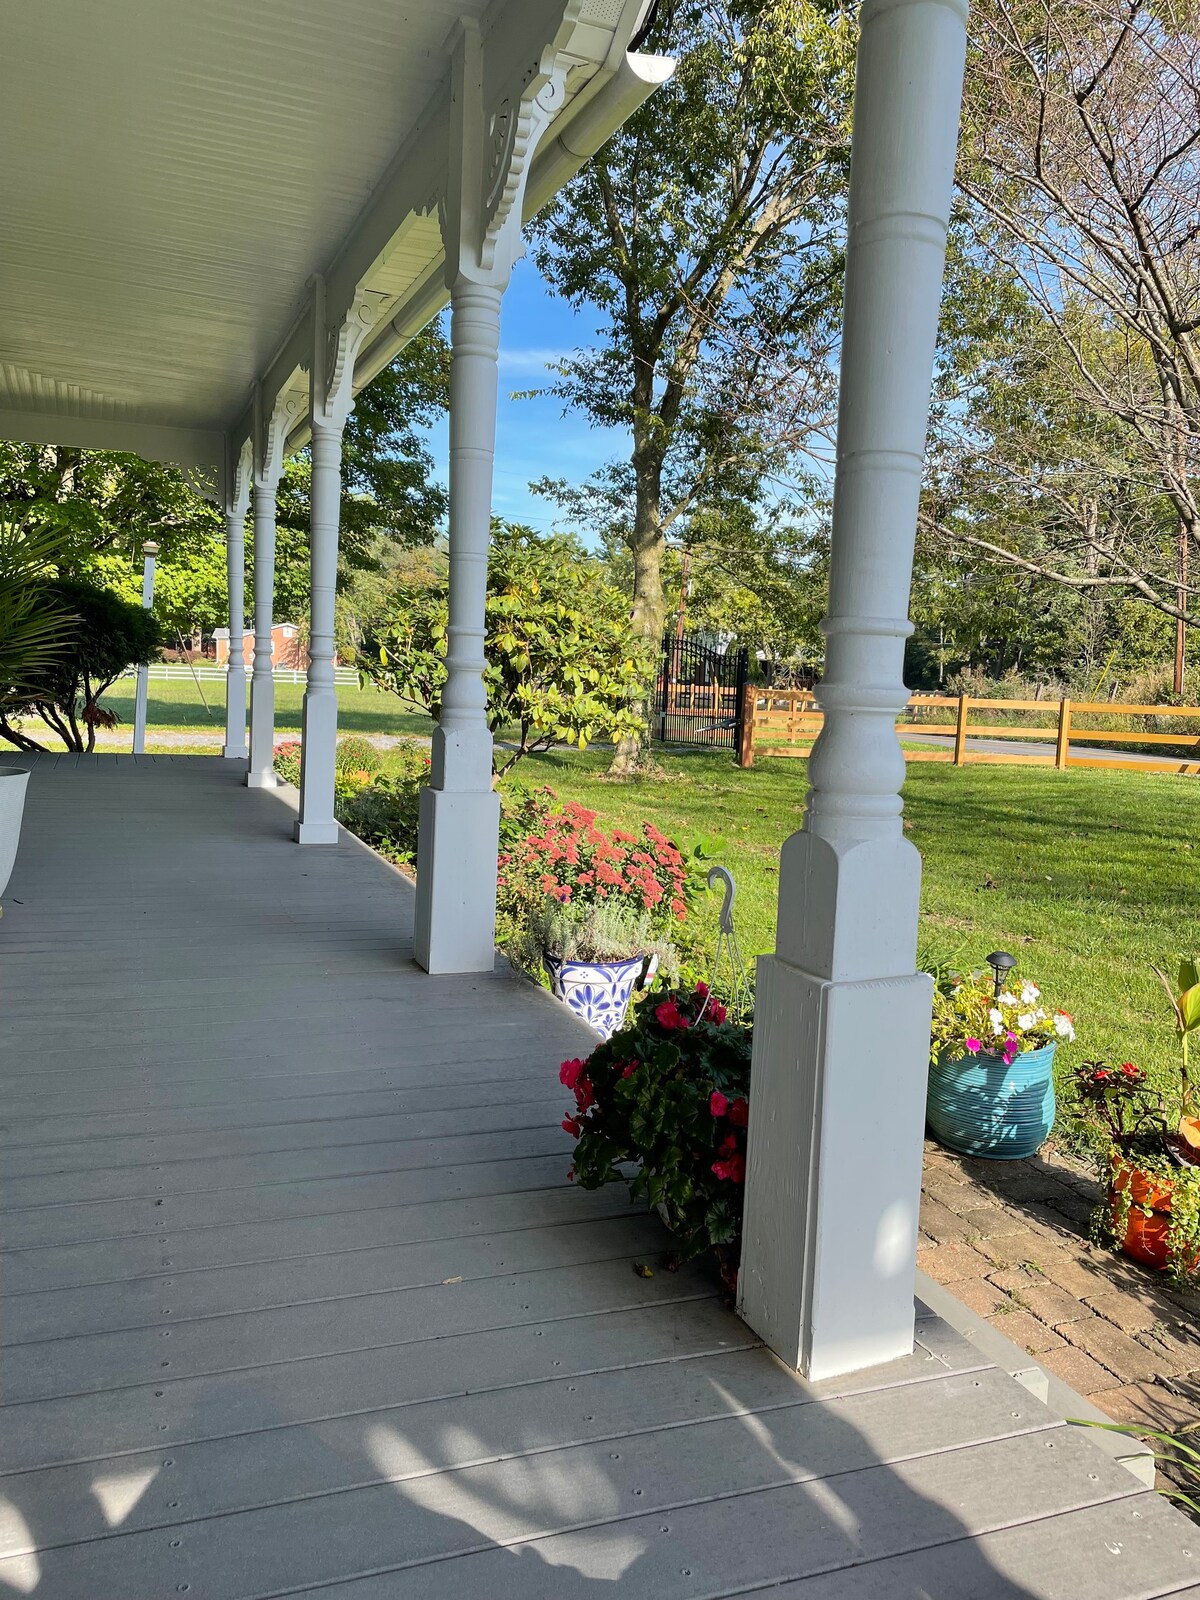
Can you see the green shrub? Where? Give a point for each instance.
(107, 634)
(287, 762)
(356, 754)
(385, 812)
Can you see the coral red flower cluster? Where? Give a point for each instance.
(730, 1163)
(569, 858)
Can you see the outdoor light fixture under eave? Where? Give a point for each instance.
(1001, 964)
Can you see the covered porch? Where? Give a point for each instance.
(295, 1296)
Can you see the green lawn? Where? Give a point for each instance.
(175, 705)
(1086, 877)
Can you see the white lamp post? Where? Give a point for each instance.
(149, 555)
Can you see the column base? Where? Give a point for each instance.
(318, 753)
(316, 832)
(261, 780)
(833, 1181)
(236, 748)
(456, 881)
(262, 730)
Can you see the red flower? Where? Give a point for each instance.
(572, 1126)
(670, 1016)
(1130, 1071)
(733, 1170)
(728, 1145)
(702, 990)
(570, 1073)
(717, 1103)
(630, 1068)
(584, 1096)
(716, 1012)
(739, 1112)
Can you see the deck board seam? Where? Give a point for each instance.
(274, 1183)
(384, 1480)
(355, 1350)
(715, 1352)
(315, 1300)
(311, 1255)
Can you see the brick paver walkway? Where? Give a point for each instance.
(1009, 1239)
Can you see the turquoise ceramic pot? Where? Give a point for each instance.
(980, 1107)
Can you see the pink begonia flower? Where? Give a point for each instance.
(717, 1103)
(572, 1126)
(716, 1012)
(702, 990)
(974, 1046)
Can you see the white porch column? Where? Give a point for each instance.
(270, 437)
(331, 399)
(460, 811)
(841, 1019)
(235, 564)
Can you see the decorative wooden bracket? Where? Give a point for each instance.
(492, 150)
(271, 435)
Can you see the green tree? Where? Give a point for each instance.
(103, 504)
(107, 635)
(705, 237)
(563, 665)
(34, 627)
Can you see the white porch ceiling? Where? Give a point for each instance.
(173, 174)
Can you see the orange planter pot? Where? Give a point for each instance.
(1145, 1236)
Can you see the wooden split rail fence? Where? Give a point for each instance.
(785, 722)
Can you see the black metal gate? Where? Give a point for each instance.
(700, 694)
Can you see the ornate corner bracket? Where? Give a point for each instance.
(271, 435)
(492, 149)
(335, 352)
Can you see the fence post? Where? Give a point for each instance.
(960, 731)
(745, 752)
(1062, 749)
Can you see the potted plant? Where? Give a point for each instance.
(669, 1093)
(1151, 1209)
(1151, 1146)
(991, 1062)
(595, 907)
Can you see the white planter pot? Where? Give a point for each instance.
(13, 783)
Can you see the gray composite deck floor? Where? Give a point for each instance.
(295, 1296)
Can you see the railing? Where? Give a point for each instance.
(207, 672)
(785, 722)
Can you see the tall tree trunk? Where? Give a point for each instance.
(646, 542)
(1181, 594)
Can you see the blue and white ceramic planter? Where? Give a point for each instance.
(597, 991)
(980, 1107)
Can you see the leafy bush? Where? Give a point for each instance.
(385, 812)
(107, 635)
(670, 1093)
(355, 754)
(34, 626)
(563, 664)
(287, 762)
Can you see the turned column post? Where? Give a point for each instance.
(237, 504)
(270, 439)
(331, 393)
(841, 1018)
(455, 912)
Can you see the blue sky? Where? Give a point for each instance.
(533, 437)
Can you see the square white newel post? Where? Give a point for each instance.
(841, 1018)
(236, 506)
(331, 389)
(270, 438)
(460, 811)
